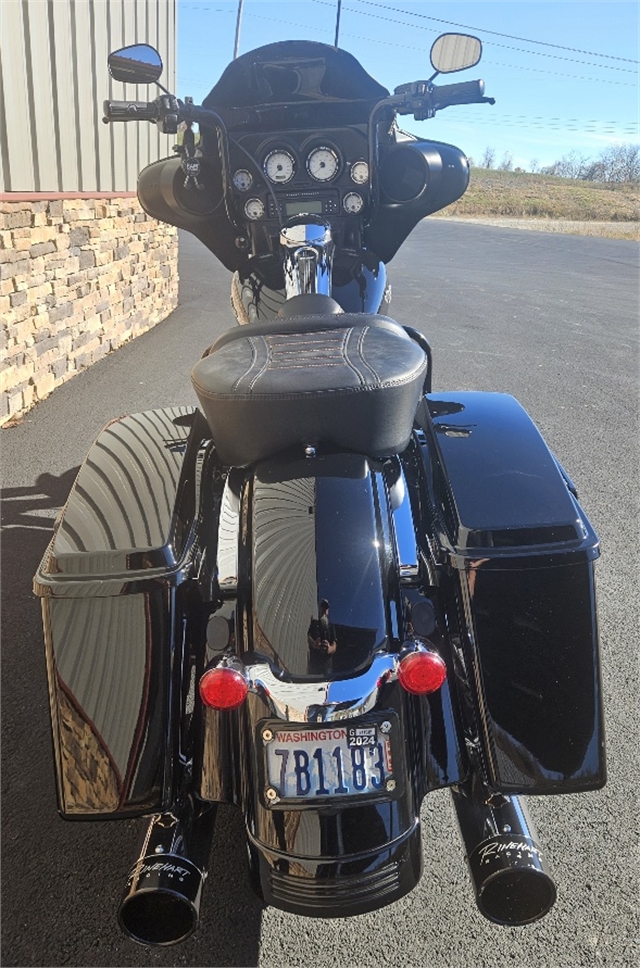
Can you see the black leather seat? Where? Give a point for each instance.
(352, 381)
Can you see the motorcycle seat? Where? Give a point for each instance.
(347, 380)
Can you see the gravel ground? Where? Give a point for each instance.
(605, 230)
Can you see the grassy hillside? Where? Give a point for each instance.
(522, 195)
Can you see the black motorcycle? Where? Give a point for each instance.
(330, 590)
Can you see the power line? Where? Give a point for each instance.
(507, 122)
(385, 42)
(388, 43)
(573, 77)
(489, 62)
(536, 53)
(558, 124)
(496, 33)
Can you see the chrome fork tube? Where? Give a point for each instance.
(307, 258)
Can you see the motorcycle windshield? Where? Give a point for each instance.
(293, 72)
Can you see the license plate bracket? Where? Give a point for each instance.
(310, 764)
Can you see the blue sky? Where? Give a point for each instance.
(565, 80)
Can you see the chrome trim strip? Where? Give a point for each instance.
(322, 702)
(405, 535)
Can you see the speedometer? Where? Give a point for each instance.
(323, 164)
(279, 167)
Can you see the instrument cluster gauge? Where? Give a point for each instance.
(254, 209)
(360, 172)
(323, 164)
(242, 180)
(279, 166)
(353, 203)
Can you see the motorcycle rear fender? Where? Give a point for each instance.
(311, 529)
(517, 575)
(113, 584)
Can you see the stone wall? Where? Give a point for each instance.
(79, 276)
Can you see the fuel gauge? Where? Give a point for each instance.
(360, 172)
(353, 203)
(242, 180)
(254, 209)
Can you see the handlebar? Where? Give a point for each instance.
(423, 99)
(130, 111)
(466, 92)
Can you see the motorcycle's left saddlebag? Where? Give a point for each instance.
(113, 584)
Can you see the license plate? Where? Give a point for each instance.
(305, 762)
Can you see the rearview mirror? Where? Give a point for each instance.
(455, 52)
(137, 64)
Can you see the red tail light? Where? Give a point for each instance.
(422, 672)
(223, 688)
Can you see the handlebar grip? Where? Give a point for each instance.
(466, 92)
(130, 111)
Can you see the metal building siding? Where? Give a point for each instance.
(53, 80)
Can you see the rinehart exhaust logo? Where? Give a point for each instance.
(507, 849)
(146, 870)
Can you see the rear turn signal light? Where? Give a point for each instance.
(223, 688)
(422, 672)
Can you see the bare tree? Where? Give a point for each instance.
(572, 165)
(619, 163)
(507, 162)
(488, 157)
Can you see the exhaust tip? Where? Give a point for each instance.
(516, 897)
(161, 902)
(512, 885)
(158, 917)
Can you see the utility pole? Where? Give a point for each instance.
(338, 22)
(236, 46)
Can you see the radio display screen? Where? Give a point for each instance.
(312, 207)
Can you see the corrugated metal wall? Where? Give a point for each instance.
(53, 80)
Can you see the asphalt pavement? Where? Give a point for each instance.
(551, 319)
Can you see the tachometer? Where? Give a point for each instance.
(323, 164)
(279, 167)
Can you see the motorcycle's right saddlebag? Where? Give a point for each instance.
(518, 584)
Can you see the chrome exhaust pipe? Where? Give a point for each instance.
(161, 901)
(509, 874)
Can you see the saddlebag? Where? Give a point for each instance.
(518, 555)
(112, 586)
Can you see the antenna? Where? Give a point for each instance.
(236, 45)
(338, 22)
